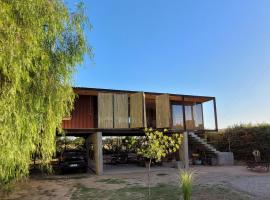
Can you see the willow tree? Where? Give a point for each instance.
(41, 43)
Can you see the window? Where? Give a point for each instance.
(177, 116)
(209, 115)
(198, 116)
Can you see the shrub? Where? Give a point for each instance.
(186, 179)
(242, 140)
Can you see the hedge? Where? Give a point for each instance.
(242, 140)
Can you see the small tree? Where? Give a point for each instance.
(155, 145)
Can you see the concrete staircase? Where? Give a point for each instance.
(195, 138)
(223, 158)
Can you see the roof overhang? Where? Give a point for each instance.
(148, 95)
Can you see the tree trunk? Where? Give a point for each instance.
(149, 171)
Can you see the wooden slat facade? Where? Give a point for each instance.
(163, 111)
(137, 110)
(105, 110)
(120, 111)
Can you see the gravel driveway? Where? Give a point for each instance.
(240, 178)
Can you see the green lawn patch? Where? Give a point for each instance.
(112, 181)
(159, 192)
(167, 192)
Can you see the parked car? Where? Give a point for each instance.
(123, 158)
(120, 158)
(72, 160)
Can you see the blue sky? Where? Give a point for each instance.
(216, 48)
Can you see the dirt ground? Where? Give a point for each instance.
(234, 182)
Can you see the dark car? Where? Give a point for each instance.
(72, 160)
(123, 158)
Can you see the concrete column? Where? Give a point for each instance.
(87, 145)
(98, 153)
(94, 152)
(184, 157)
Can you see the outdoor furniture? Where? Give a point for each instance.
(258, 164)
(261, 166)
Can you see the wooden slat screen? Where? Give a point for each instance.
(163, 111)
(105, 110)
(137, 110)
(120, 110)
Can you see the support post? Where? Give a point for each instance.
(98, 153)
(87, 145)
(215, 112)
(184, 157)
(94, 152)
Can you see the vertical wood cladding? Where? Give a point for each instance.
(120, 107)
(163, 111)
(137, 110)
(83, 114)
(105, 110)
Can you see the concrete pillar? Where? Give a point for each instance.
(88, 150)
(94, 152)
(98, 153)
(184, 157)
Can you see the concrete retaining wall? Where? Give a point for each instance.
(225, 158)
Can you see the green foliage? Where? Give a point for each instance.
(186, 179)
(41, 42)
(156, 145)
(242, 140)
(65, 142)
(119, 144)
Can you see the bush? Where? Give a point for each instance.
(242, 140)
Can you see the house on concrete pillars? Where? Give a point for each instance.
(104, 112)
